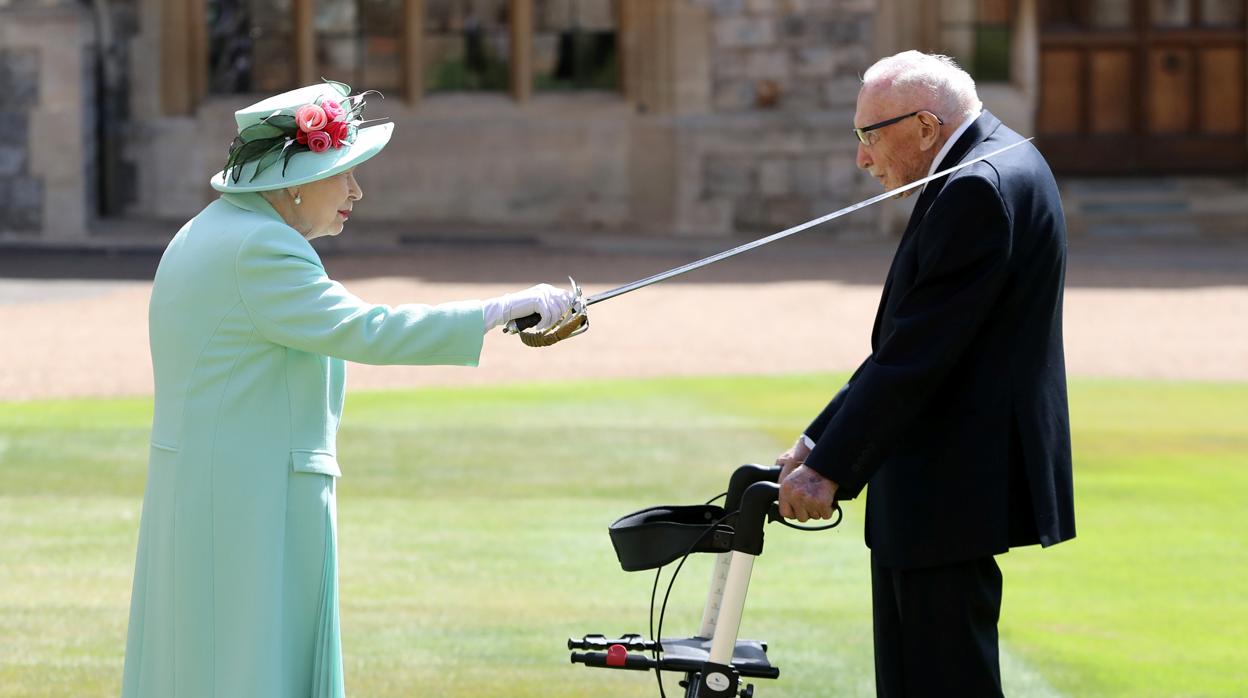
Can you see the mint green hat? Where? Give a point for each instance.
(280, 145)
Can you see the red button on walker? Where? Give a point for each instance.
(617, 655)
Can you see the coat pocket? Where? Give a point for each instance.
(319, 462)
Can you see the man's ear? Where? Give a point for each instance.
(929, 131)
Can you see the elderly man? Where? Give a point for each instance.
(958, 419)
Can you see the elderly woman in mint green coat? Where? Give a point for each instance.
(235, 586)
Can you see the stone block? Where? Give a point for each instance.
(12, 159)
(815, 62)
(711, 217)
(840, 175)
(773, 177)
(734, 95)
(841, 92)
(749, 213)
(743, 32)
(787, 211)
(762, 6)
(857, 6)
(731, 64)
(21, 204)
(15, 145)
(840, 32)
(798, 7)
(794, 26)
(19, 78)
(807, 176)
(803, 96)
(724, 8)
(853, 61)
(728, 175)
(771, 63)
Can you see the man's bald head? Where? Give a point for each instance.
(926, 81)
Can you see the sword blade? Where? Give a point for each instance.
(705, 261)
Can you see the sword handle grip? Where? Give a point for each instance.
(525, 322)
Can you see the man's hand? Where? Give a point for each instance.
(792, 458)
(805, 494)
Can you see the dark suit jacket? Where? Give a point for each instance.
(958, 419)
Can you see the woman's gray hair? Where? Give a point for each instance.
(936, 82)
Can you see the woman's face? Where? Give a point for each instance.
(324, 205)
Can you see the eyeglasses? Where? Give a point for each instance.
(866, 140)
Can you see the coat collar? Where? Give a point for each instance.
(253, 202)
(976, 133)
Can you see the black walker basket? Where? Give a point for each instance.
(714, 661)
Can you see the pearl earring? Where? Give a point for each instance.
(298, 200)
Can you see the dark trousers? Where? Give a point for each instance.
(936, 630)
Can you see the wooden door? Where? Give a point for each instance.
(1144, 86)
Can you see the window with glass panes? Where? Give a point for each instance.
(978, 34)
(250, 45)
(466, 45)
(359, 42)
(421, 45)
(574, 45)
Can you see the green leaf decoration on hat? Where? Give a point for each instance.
(286, 122)
(249, 151)
(261, 131)
(288, 153)
(270, 156)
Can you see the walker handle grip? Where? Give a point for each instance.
(636, 662)
(756, 504)
(745, 476)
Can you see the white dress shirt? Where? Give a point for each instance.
(944, 149)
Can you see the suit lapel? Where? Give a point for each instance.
(976, 133)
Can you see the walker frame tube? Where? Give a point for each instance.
(728, 623)
(719, 577)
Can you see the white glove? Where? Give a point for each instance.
(546, 300)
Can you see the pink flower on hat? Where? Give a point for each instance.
(311, 118)
(333, 110)
(338, 130)
(319, 141)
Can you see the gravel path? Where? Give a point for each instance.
(75, 325)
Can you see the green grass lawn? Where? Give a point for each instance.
(473, 533)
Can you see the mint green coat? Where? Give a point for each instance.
(235, 586)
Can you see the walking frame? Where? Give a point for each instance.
(714, 661)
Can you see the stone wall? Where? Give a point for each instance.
(559, 161)
(21, 192)
(784, 83)
(793, 55)
(47, 120)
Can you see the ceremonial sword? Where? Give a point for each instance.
(528, 321)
